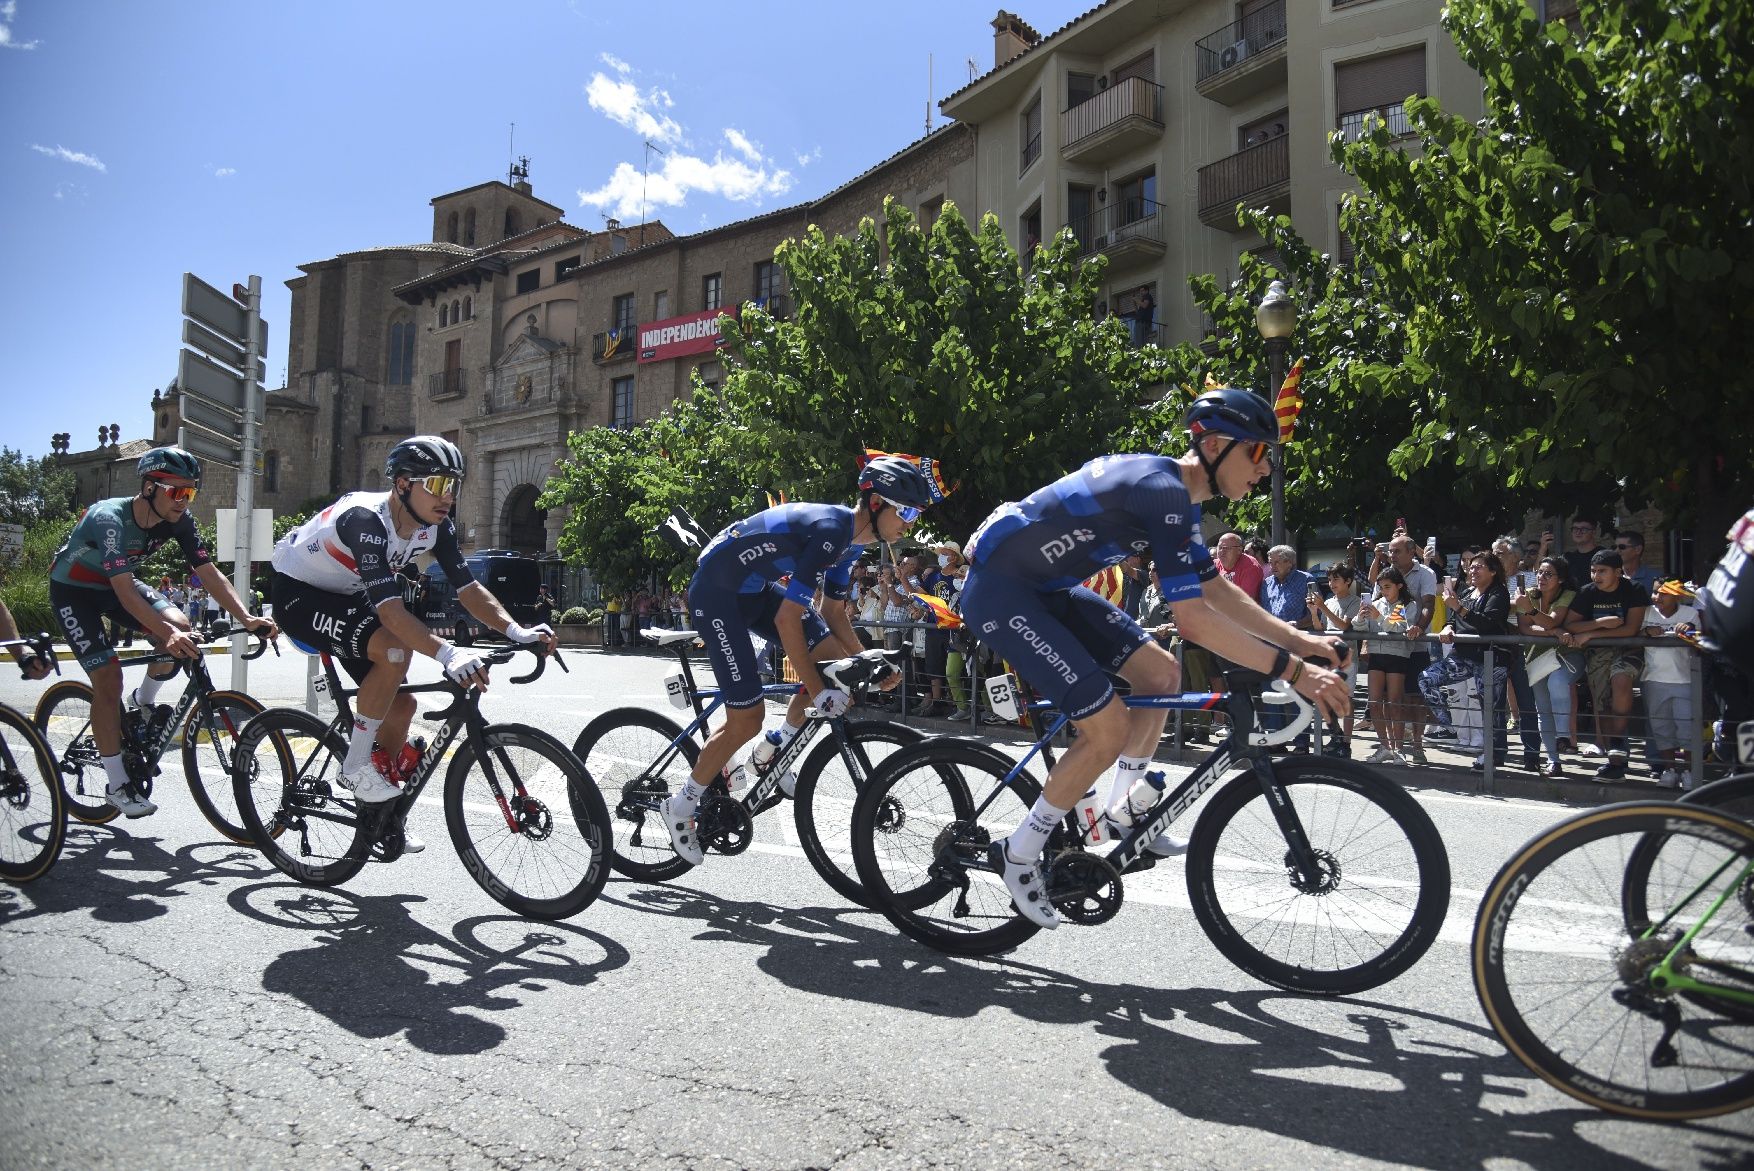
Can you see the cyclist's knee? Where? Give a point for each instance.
(745, 721)
(402, 708)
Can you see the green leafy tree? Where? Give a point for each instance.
(946, 349)
(33, 488)
(1576, 268)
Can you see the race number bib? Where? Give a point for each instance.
(1002, 697)
(677, 690)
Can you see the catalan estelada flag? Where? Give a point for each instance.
(942, 614)
(1289, 402)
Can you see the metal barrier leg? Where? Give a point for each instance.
(1696, 685)
(1488, 725)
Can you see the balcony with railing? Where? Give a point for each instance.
(1243, 58)
(776, 305)
(446, 384)
(615, 345)
(1258, 175)
(1127, 230)
(1031, 152)
(1126, 115)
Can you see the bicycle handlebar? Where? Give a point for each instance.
(862, 670)
(41, 645)
(1280, 692)
(535, 648)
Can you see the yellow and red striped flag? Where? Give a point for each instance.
(1289, 402)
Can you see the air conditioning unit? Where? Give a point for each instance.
(1233, 54)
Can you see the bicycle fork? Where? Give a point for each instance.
(1311, 871)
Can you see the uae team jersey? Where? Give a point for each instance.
(1107, 510)
(352, 547)
(107, 542)
(811, 542)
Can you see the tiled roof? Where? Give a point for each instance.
(947, 128)
(1038, 44)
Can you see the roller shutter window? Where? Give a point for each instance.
(1378, 83)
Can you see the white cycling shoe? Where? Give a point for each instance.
(1027, 884)
(370, 785)
(684, 830)
(130, 805)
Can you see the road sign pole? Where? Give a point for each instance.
(240, 667)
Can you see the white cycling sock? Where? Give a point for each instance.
(1027, 840)
(359, 749)
(787, 731)
(1127, 770)
(147, 693)
(115, 771)
(692, 793)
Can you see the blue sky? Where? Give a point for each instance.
(140, 141)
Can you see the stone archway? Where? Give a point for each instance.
(525, 527)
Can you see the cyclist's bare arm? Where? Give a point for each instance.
(789, 621)
(219, 586)
(838, 615)
(1213, 629)
(161, 631)
(1227, 599)
(486, 609)
(410, 631)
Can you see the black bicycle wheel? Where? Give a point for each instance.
(33, 816)
(63, 716)
(1733, 795)
(827, 791)
(1377, 907)
(1568, 987)
(286, 781)
(210, 739)
(619, 749)
(920, 850)
(540, 846)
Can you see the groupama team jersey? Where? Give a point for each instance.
(107, 542)
(1107, 510)
(811, 542)
(352, 547)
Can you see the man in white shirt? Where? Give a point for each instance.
(1668, 695)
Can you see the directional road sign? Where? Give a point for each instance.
(219, 312)
(203, 413)
(208, 380)
(209, 446)
(219, 348)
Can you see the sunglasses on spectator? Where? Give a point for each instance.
(906, 512)
(1545, 573)
(442, 485)
(1624, 545)
(181, 493)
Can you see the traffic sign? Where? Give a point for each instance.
(209, 446)
(203, 413)
(219, 312)
(219, 386)
(219, 348)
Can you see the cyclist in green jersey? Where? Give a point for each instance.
(93, 577)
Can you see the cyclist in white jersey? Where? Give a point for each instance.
(336, 588)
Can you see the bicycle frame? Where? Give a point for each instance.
(1666, 976)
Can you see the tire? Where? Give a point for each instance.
(286, 781)
(826, 792)
(1559, 975)
(555, 863)
(1733, 795)
(1380, 911)
(618, 748)
(904, 822)
(63, 716)
(33, 815)
(210, 739)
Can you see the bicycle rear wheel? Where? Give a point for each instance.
(1377, 907)
(619, 749)
(63, 715)
(286, 779)
(209, 747)
(920, 849)
(33, 817)
(827, 791)
(539, 845)
(1568, 986)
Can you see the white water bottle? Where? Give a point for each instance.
(1090, 820)
(765, 749)
(1140, 798)
(735, 776)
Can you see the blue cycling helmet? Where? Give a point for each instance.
(900, 481)
(163, 463)
(1237, 413)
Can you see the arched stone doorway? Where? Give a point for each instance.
(525, 526)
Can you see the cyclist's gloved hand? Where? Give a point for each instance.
(832, 701)
(529, 634)
(462, 665)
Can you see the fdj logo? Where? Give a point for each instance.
(756, 552)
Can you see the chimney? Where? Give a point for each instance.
(1011, 37)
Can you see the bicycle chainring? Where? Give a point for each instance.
(1085, 888)
(389, 845)
(724, 825)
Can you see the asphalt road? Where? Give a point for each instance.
(174, 1002)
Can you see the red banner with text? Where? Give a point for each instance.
(676, 337)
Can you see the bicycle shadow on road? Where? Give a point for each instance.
(1380, 1081)
(121, 877)
(376, 971)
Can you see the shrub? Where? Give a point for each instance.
(575, 616)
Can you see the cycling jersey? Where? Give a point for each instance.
(1727, 601)
(1105, 511)
(107, 541)
(352, 547)
(811, 542)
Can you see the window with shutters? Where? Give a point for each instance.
(1378, 86)
(1031, 128)
(622, 417)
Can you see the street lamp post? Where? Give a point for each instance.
(1276, 318)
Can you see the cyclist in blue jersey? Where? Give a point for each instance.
(1023, 598)
(93, 577)
(736, 590)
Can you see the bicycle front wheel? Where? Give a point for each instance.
(1574, 993)
(621, 749)
(536, 838)
(1375, 905)
(286, 779)
(828, 789)
(63, 716)
(920, 848)
(33, 817)
(210, 741)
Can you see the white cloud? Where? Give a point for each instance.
(621, 101)
(224, 172)
(742, 144)
(71, 156)
(8, 10)
(804, 160)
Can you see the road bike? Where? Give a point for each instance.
(1614, 955)
(205, 721)
(1316, 874)
(640, 757)
(33, 817)
(524, 816)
